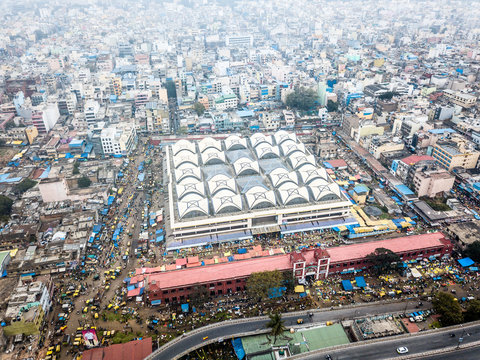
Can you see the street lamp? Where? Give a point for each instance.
(460, 339)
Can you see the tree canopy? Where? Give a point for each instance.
(276, 326)
(84, 182)
(302, 99)
(76, 168)
(259, 283)
(473, 311)
(25, 185)
(383, 260)
(387, 95)
(332, 106)
(473, 251)
(199, 108)
(448, 308)
(5, 206)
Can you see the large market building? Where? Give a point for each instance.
(235, 188)
(230, 276)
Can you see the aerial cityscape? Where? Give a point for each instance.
(239, 180)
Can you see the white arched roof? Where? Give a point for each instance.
(297, 161)
(325, 192)
(226, 203)
(187, 188)
(220, 183)
(209, 143)
(213, 156)
(258, 198)
(188, 172)
(290, 147)
(280, 176)
(266, 151)
(192, 208)
(245, 166)
(183, 145)
(184, 159)
(259, 138)
(310, 174)
(234, 142)
(294, 195)
(282, 135)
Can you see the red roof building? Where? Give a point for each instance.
(230, 277)
(413, 159)
(132, 350)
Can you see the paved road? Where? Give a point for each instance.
(253, 324)
(472, 353)
(416, 344)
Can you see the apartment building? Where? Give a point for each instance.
(432, 183)
(451, 155)
(118, 140)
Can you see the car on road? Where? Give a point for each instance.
(402, 350)
(299, 321)
(205, 338)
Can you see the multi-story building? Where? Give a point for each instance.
(433, 182)
(29, 302)
(451, 155)
(187, 276)
(405, 168)
(224, 102)
(91, 111)
(461, 99)
(67, 103)
(119, 140)
(45, 117)
(239, 41)
(379, 146)
(157, 117)
(116, 86)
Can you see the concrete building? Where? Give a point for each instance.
(29, 302)
(119, 140)
(461, 99)
(222, 193)
(67, 104)
(4, 261)
(378, 147)
(186, 276)
(91, 111)
(44, 117)
(432, 183)
(451, 155)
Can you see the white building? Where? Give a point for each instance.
(119, 140)
(92, 108)
(44, 117)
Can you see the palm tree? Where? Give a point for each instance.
(276, 325)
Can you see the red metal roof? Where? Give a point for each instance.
(337, 163)
(413, 159)
(219, 272)
(132, 350)
(402, 244)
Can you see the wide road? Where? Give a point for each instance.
(172, 351)
(472, 353)
(417, 344)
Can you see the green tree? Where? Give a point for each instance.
(199, 296)
(5, 206)
(171, 89)
(387, 95)
(448, 308)
(276, 326)
(199, 108)
(302, 99)
(24, 185)
(473, 251)
(332, 106)
(76, 170)
(84, 182)
(473, 311)
(259, 283)
(383, 260)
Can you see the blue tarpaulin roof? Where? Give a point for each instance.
(238, 348)
(360, 280)
(185, 308)
(347, 285)
(404, 190)
(45, 173)
(466, 262)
